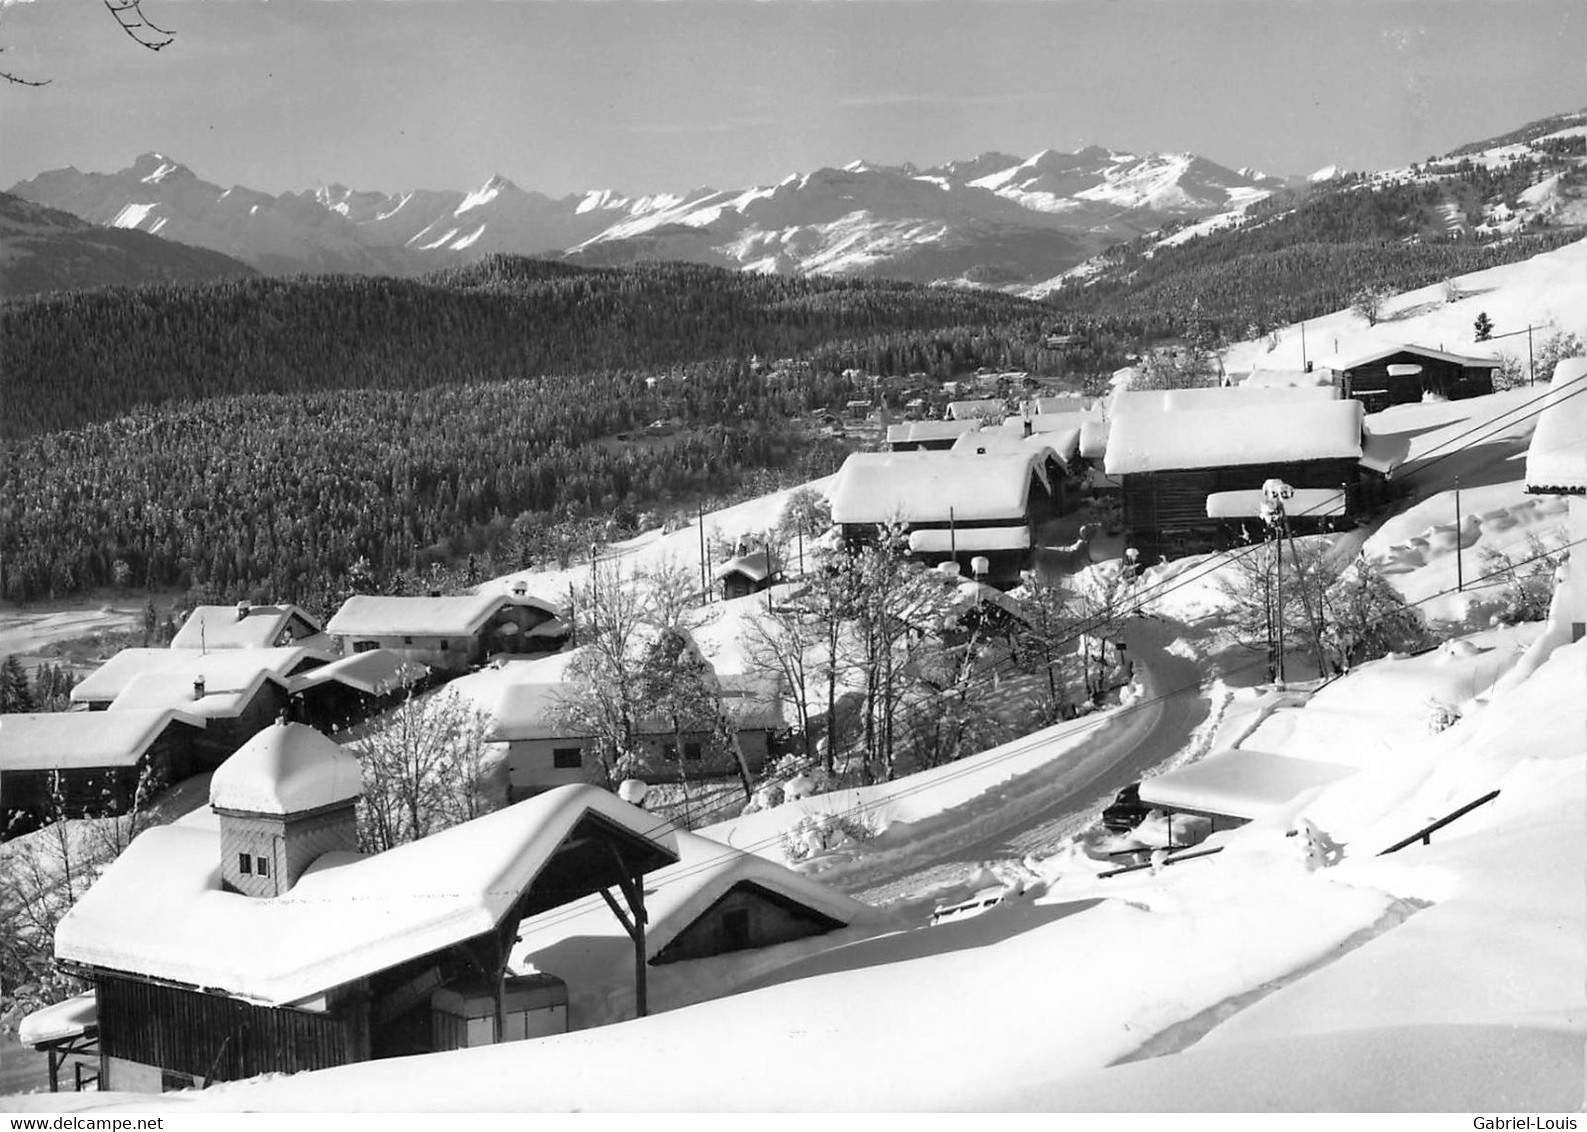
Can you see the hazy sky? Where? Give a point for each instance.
(641, 96)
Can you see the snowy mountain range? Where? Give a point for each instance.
(995, 219)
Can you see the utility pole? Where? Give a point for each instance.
(705, 584)
(1460, 579)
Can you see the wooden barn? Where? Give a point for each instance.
(950, 506)
(202, 972)
(718, 910)
(1399, 375)
(1192, 478)
(450, 634)
(86, 764)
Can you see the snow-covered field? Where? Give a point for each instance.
(1297, 969)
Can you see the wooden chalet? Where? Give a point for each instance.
(929, 436)
(252, 937)
(348, 691)
(949, 506)
(1399, 375)
(1556, 464)
(236, 692)
(528, 704)
(450, 634)
(88, 764)
(1191, 479)
(248, 626)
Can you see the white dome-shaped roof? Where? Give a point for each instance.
(285, 769)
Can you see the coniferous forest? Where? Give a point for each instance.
(260, 438)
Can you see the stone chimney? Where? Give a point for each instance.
(285, 799)
(243, 609)
(198, 687)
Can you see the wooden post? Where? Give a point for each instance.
(1460, 579)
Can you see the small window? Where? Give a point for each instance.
(245, 863)
(446, 646)
(567, 758)
(669, 752)
(364, 646)
(263, 866)
(407, 640)
(693, 752)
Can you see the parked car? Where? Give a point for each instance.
(1126, 811)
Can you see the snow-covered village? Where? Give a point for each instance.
(1092, 633)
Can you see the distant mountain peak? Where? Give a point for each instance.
(152, 168)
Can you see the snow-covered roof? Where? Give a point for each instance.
(1556, 462)
(178, 668)
(78, 739)
(584, 944)
(1239, 783)
(245, 626)
(372, 615)
(232, 695)
(1285, 379)
(1070, 404)
(1378, 353)
(753, 701)
(939, 540)
(69, 1018)
(1218, 398)
(755, 566)
(923, 487)
(1010, 437)
(1143, 440)
(1248, 504)
(288, 768)
(374, 672)
(985, 407)
(159, 909)
(918, 432)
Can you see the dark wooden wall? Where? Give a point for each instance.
(1373, 386)
(213, 1036)
(767, 917)
(1165, 513)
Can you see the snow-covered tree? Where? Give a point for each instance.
(1366, 618)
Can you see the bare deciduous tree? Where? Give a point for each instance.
(130, 17)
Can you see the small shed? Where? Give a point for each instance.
(1556, 464)
(1402, 374)
(744, 575)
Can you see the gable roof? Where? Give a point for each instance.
(65, 740)
(162, 677)
(244, 626)
(381, 616)
(1556, 461)
(922, 487)
(755, 566)
(375, 672)
(984, 407)
(1218, 398)
(918, 432)
(583, 943)
(1378, 353)
(1147, 440)
(159, 910)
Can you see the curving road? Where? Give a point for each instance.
(1047, 807)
